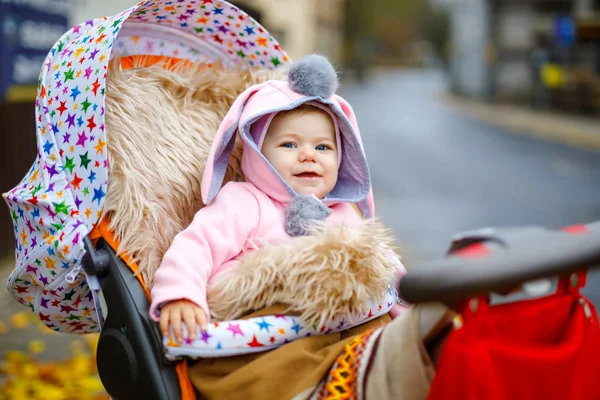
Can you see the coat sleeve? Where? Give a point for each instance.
(216, 235)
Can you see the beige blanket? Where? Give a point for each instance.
(378, 360)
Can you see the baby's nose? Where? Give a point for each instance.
(308, 153)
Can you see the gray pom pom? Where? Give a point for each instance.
(303, 210)
(313, 76)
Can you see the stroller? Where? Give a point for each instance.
(70, 268)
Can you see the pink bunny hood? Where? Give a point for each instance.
(312, 81)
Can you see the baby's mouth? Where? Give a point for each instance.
(308, 174)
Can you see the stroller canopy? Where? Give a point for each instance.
(60, 199)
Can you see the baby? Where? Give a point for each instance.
(302, 161)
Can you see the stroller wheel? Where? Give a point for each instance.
(116, 363)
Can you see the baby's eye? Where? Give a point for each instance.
(288, 145)
(323, 147)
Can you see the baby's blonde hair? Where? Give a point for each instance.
(300, 110)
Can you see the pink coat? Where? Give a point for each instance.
(241, 216)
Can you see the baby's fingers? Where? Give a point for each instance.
(176, 325)
(163, 323)
(201, 319)
(190, 322)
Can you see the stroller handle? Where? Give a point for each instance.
(503, 264)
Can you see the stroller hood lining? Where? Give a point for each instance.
(202, 47)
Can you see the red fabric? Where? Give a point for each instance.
(473, 251)
(545, 348)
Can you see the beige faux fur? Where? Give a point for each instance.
(160, 125)
(338, 269)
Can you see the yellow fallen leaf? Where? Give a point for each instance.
(48, 372)
(3, 328)
(45, 330)
(53, 393)
(15, 357)
(24, 378)
(29, 371)
(76, 347)
(16, 392)
(92, 339)
(90, 385)
(37, 346)
(80, 365)
(20, 320)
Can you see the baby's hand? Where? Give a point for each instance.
(178, 311)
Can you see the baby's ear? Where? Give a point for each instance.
(313, 76)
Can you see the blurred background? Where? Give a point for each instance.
(474, 113)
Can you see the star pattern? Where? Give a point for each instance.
(235, 329)
(60, 199)
(49, 202)
(271, 331)
(240, 38)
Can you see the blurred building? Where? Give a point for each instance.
(301, 26)
(28, 29)
(470, 37)
(83, 10)
(541, 52)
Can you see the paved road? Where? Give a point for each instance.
(436, 173)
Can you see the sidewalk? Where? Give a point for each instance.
(577, 131)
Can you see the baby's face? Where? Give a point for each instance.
(303, 150)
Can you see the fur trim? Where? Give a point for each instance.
(332, 272)
(160, 124)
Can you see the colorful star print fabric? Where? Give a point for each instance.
(265, 333)
(224, 32)
(60, 199)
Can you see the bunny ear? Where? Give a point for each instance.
(367, 205)
(223, 145)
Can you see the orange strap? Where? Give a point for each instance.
(101, 230)
(185, 385)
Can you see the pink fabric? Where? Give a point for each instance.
(240, 218)
(264, 96)
(274, 96)
(244, 215)
(347, 109)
